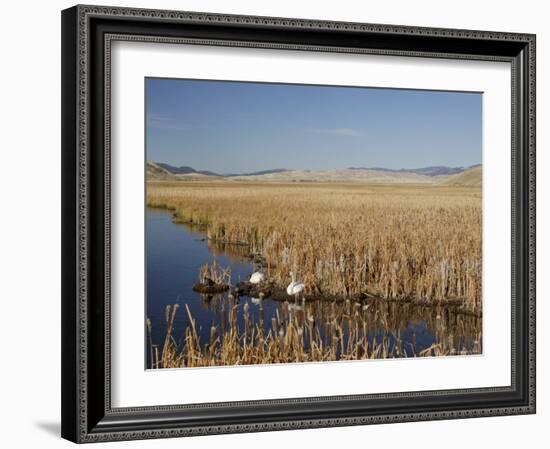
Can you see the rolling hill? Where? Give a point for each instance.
(470, 177)
(158, 173)
(184, 170)
(437, 170)
(441, 175)
(341, 175)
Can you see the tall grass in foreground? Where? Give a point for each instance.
(294, 335)
(396, 242)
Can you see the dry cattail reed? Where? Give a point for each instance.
(295, 337)
(420, 243)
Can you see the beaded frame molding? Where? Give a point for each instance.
(87, 34)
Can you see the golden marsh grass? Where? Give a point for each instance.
(420, 243)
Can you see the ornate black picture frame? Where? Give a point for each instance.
(87, 33)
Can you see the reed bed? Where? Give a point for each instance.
(215, 273)
(293, 335)
(396, 242)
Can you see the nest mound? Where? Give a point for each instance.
(210, 289)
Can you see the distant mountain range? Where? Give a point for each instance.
(424, 175)
(184, 170)
(258, 173)
(427, 171)
(438, 170)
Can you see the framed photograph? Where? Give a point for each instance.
(278, 223)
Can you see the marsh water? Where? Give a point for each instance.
(175, 253)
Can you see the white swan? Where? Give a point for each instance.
(257, 277)
(295, 287)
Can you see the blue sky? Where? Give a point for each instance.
(237, 127)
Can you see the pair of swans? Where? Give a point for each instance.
(293, 289)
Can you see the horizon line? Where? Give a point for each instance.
(464, 167)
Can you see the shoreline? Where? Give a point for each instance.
(277, 293)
